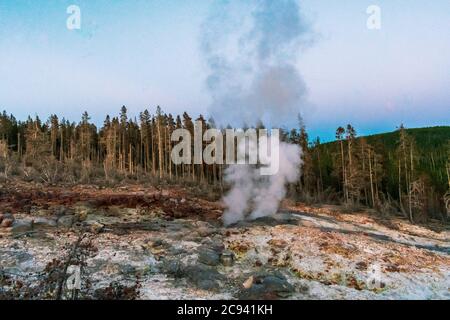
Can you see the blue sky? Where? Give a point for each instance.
(142, 53)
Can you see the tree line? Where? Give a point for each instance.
(390, 173)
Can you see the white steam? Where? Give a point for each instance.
(252, 195)
(251, 50)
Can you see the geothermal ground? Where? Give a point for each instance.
(135, 242)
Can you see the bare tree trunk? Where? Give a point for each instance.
(410, 183)
(153, 151)
(160, 148)
(19, 146)
(371, 180)
(344, 175)
(400, 184)
(320, 171)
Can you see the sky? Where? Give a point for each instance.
(144, 53)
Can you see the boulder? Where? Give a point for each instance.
(6, 215)
(7, 222)
(204, 277)
(215, 245)
(173, 267)
(82, 210)
(266, 286)
(208, 256)
(43, 213)
(96, 227)
(227, 258)
(207, 284)
(21, 226)
(200, 275)
(205, 231)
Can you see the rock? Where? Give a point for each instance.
(66, 221)
(82, 215)
(7, 222)
(43, 223)
(248, 283)
(113, 211)
(266, 287)
(176, 251)
(173, 267)
(207, 284)
(96, 227)
(43, 213)
(208, 257)
(361, 265)
(157, 249)
(205, 231)
(157, 242)
(215, 245)
(20, 226)
(82, 210)
(278, 285)
(6, 215)
(227, 258)
(204, 277)
(200, 275)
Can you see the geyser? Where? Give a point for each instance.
(251, 49)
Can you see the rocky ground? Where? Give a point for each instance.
(137, 242)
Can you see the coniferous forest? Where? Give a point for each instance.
(404, 172)
(230, 150)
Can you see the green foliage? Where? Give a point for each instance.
(432, 146)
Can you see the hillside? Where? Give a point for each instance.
(429, 148)
(433, 146)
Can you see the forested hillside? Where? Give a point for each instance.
(411, 164)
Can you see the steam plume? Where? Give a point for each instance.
(253, 195)
(251, 49)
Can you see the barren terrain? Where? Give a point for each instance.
(136, 242)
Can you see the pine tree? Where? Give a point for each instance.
(406, 168)
(159, 129)
(339, 137)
